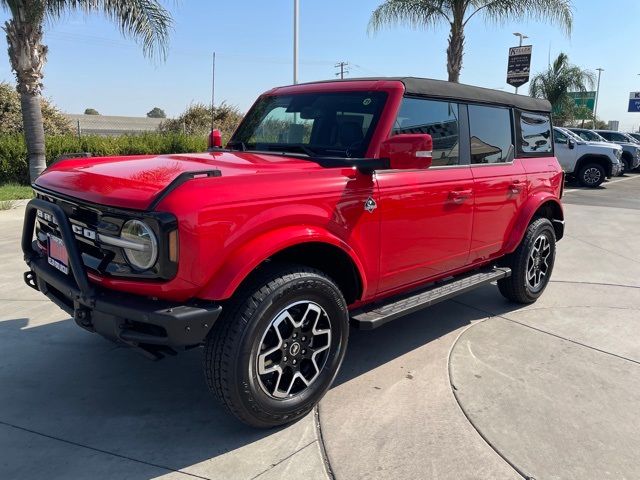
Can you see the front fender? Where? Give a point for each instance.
(527, 213)
(244, 260)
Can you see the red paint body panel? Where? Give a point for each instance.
(429, 223)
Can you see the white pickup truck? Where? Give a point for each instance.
(589, 162)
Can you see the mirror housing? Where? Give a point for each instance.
(571, 143)
(408, 151)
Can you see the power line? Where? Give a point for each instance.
(344, 69)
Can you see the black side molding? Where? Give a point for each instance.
(179, 180)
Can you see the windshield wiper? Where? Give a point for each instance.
(292, 148)
(238, 143)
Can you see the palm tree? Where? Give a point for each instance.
(557, 81)
(457, 13)
(146, 21)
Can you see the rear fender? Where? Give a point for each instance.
(244, 260)
(527, 213)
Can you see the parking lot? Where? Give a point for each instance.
(474, 388)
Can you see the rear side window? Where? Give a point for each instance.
(534, 134)
(437, 118)
(490, 131)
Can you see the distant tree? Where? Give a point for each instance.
(156, 112)
(146, 21)
(11, 116)
(91, 111)
(196, 120)
(557, 81)
(457, 13)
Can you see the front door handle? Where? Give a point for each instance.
(516, 187)
(460, 196)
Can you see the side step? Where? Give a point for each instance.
(373, 316)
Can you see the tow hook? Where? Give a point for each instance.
(30, 280)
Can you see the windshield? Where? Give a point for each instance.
(315, 124)
(589, 136)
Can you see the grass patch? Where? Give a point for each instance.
(14, 191)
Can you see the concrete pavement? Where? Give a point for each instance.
(549, 390)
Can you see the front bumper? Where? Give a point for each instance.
(151, 325)
(616, 169)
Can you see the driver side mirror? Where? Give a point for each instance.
(408, 151)
(572, 144)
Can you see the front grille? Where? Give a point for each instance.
(90, 221)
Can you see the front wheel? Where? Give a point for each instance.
(531, 264)
(591, 175)
(278, 347)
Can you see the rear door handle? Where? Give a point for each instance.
(459, 196)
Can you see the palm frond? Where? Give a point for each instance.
(145, 21)
(558, 12)
(415, 13)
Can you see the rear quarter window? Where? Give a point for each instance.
(533, 134)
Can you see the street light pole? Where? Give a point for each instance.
(521, 35)
(296, 9)
(595, 106)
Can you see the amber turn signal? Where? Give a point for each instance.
(174, 246)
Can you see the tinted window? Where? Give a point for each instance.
(559, 137)
(438, 119)
(490, 130)
(614, 136)
(534, 133)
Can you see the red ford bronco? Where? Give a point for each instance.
(333, 203)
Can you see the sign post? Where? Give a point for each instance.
(634, 102)
(518, 65)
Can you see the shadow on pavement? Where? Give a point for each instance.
(61, 381)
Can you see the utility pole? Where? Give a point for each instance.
(344, 68)
(595, 106)
(521, 35)
(296, 18)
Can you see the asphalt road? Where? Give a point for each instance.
(474, 388)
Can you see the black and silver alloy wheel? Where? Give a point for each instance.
(278, 345)
(538, 263)
(531, 263)
(294, 349)
(591, 175)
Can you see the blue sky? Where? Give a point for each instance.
(91, 65)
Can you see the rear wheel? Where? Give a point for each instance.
(278, 347)
(531, 264)
(591, 175)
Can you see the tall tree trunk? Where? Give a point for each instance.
(455, 50)
(28, 56)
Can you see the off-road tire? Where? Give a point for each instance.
(516, 287)
(587, 172)
(231, 348)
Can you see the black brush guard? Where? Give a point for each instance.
(154, 326)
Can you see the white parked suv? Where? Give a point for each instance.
(589, 162)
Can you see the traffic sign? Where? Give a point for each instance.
(518, 65)
(634, 102)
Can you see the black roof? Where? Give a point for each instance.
(458, 91)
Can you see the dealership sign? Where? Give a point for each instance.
(634, 102)
(518, 65)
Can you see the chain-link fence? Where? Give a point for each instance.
(110, 126)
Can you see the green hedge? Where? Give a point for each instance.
(13, 151)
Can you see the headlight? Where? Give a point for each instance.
(618, 152)
(141, 247)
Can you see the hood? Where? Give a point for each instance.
(133, 182)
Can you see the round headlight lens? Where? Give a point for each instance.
(143, 252)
